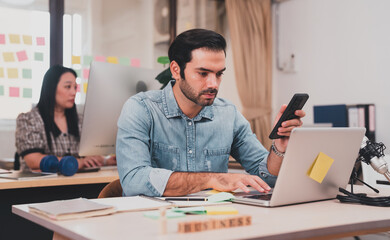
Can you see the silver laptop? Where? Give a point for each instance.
(293, 184)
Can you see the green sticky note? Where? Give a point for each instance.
(1, 90)
(78, 72)
(38, 56)
(87, 60)
(27, 92)
(320, 167)
(169, 214)
(220, 197)
(27, 73)
(124, 61)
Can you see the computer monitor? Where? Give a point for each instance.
(109, 86)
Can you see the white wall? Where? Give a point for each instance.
(342, 50)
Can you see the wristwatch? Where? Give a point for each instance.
(276, 151)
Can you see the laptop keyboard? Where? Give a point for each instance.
(260, 197)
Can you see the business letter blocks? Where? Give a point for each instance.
(211, 224)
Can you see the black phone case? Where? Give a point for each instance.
(296, 103)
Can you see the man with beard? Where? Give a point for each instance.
(178, 140)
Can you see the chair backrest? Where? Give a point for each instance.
(113, 189)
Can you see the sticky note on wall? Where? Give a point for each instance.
(1, 72)
(21, 55)
(2, 38)
(38, 56)
(40, 41)
(27, 92)
(8, 57)
(76, 59)
(320, 167)
(112, 60)
(27, 39)
(14, 38)
(27, 73)
(14, 92)
(1, 90)
(12, 73)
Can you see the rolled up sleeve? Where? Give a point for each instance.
(133, 147)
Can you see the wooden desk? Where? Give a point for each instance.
(87, 185)
(318, 220)
(103, 176)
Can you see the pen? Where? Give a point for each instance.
(184, 199)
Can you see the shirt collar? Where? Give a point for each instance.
(171, 108)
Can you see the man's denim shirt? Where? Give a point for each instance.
(156, 139)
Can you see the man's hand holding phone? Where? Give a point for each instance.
(288, 118)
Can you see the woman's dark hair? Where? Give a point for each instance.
(181, 48)
(47, 103)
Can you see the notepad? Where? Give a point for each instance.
(135, 203)
(71, 209)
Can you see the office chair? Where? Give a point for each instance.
(113, 189)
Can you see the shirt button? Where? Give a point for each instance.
(190, 151)
(190, 123)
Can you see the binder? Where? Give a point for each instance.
(335, 114)
(367, 119)
(353, 116)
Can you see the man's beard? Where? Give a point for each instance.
(190, 93)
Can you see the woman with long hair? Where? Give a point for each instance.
(53, 126)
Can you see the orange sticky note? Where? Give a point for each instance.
(320, 167)
(8, 57)
(27, 39)
(12, 73)
(14, 38)
(76, 59)
(85, 86)
(112, 60)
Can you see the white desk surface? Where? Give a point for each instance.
(318, 220)
(102, 176)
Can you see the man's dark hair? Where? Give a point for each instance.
(47, 103)
(183, 45)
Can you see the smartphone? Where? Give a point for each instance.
(296, 103)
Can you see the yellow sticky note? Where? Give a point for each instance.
(212, 192)
(1, 72)
(27, 39)
(85, 86)
(76, 59)
(14, 38)
(220, 210)
(9, 57)
(12, 72)
(112, 60)
(320, 167)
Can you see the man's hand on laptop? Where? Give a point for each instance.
(287, 127)
(231, 181)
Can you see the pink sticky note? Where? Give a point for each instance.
(85, 73)
(2, 38)
(135, 62)
(40, 41)
(22, 55)
(14, 92)
(78, 87)
(100, 58)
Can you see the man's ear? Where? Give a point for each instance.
(175, 70)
